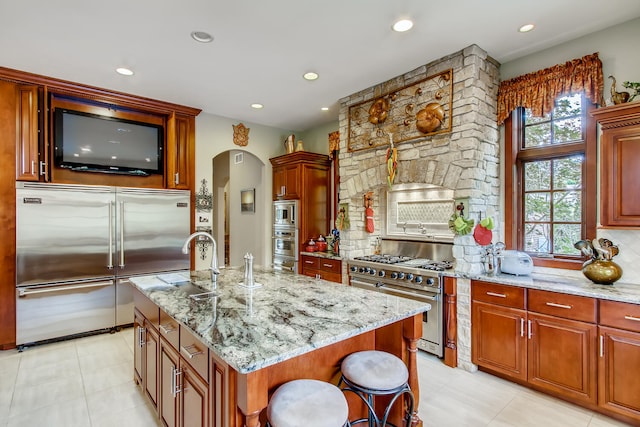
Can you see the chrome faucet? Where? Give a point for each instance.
(214, 256)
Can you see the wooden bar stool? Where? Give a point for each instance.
(309, 403)
(377, 373)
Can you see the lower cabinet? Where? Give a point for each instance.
(557, 343)
(322, 268)
(146, 357)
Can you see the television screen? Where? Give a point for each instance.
(89, 142)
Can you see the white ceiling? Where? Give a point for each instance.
(262, 47)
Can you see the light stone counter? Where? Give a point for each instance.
(571, 282)
(288, 316)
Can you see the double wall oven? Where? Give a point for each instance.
(285, 235)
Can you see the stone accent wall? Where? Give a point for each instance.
(465, 160)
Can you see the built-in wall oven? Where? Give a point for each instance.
(286, 244)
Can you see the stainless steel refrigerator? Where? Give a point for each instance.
(76, 247)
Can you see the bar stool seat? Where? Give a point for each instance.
(376, 373)
(309, 403)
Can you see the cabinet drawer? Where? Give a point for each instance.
(169, 329)
(562, 305)
(330, 265)
(310, 262)
(493, 293)
(621, 315)
(194, 352)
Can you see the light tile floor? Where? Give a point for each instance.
(88, 382)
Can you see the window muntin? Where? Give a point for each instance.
(562, 125)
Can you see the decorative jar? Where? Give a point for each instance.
(602, 272)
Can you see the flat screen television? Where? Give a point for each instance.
(94, 143)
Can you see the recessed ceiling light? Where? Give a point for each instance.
(124, 71)
(310, 76)
(201, 36)
(526, 28)
(325, 108)
(402, 25)
(257, 106)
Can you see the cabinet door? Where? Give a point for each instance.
(194, 401)
(138, 346)
(179, 152)
(619, 388)
(169, 373)
(286, 182)
(562, 356)
(152, 344)
(27, 148)
(498, 339)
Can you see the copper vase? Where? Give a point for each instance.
(602, 272)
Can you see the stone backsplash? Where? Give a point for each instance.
(465, 160)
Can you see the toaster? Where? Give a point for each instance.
(515, 262)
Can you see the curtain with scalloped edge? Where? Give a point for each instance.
(538, 90)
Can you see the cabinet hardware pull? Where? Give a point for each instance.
(43, 171)
(176, 179)
(521, 327)
(601, 345)
(308, 262)
(530, 333)
(635, 319)
(141, 340)
(166, 329)
(178, 381)
(173, 381)
(283, 190)
(33, 166)
(553, 304)
(188, 350)
(327, 265)
(493, 294)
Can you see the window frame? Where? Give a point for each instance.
(515, 155)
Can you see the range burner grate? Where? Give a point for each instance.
(384, 258)
(438, 265)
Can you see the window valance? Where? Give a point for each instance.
(538, 90)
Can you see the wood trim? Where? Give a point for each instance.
(94, 93)
(450, 322)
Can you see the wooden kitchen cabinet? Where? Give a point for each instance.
(562, 344)
(305, 176)
(619, 358)
(619, 172)
(180, 151)
(30, 165)
(322, 268)
(145, 355)
(498, 335)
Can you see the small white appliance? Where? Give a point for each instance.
(517, 263)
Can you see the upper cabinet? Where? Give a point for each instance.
(180, 150)
(30, 166)
(620, 157)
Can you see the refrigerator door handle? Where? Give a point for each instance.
(110, 259)
(121, 234)
(25, 292)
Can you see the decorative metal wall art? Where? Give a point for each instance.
(204, 206)
(240, 135)
(412, 112)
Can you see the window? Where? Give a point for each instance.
(551, 192)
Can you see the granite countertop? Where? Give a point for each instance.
(287, 316)
(326, 255)
(569, 283)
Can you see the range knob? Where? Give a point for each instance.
(362, 269)
(354, 268)
(418, 279)
(372, 271)
(401, 275)
(409, 276)
(430, 281)
(394, 275)
(382, 273)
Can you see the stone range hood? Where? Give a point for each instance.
(465, 160)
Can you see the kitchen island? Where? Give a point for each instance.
(291, 327)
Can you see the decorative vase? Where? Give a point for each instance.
(602, 272)
(299, 146)
(288, 143)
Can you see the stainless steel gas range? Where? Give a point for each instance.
(412, 270)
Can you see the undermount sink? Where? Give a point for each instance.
(195, 292)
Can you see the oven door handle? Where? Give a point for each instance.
(396, 291)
